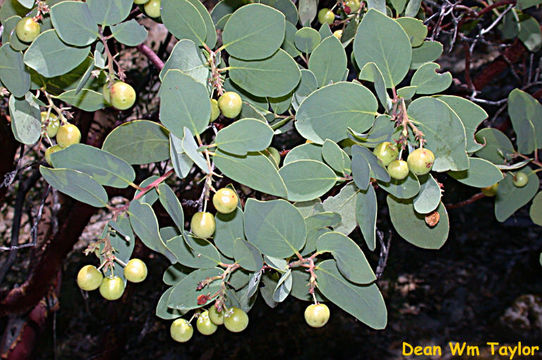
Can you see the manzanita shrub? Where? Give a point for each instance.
(364, 92)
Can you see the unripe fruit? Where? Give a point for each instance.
(235, 320)
(106, 91)
(490, 191)
(140, 2)
(230, 103)
(89, 278)
(326, 16)
(353, 5)
(386, 152)
(225, 200)
(420, 161)
(135, 271)
(205, 325)
(181, 330)
(317, 315)
(520, 179)
(152, 8)
(338, 34)
(68, 134)
(398, 169)
(49, 151)
(112, 288)
(203, 224)
(122, 95)
(216, 317)
(215, 111)
(273, 154)
(27, 29)
(52, 123)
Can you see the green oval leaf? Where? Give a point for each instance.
(129, 33)
(411, 226)
(12, 71)
(74, 23)
(351, 261)
(254, 31)
(497, 147)
(536, 209)
(304, 152)
(243, 136)
(171, 203)
(184, 295)
(77, 185)
(380, 39)
(107, 169)
(183, 20)
(328, 112)
(188, 58)
(184, 102)
(229, 227)
(25, 120)
(145, 226)
(365, 303)
(306, 39)
(428, 199)
(443, 131)
(402, 189)
(138, 142)
(246, 255)
(428, 81)
(481, 173)
(328, 61)
(85, 99)
(275, 227)
(194, 252)
(274, 76)
(254, 170)
(366, 213)
(344, 204)
(307, 179)
(471, 116)
(526, 115)
(109, 12)
(50, 57)
(510, 198)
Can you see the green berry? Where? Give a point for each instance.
(181, 330)
(420, 161)
(520, 179)
(68, 134)
(203, 224)
(112, 288)
(122, 96)
(89, 278)
(326, 16)
(317, 315)
(135, 271)
(204, 324)
(230, 104)
(216, 317)
(50, 151)
(27, 29)
(152, 8)
(490, 191)
(235, 320)
(215, 111)
(225, 200)
(386, 152)
(398, 169)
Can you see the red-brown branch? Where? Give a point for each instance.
(469, 201)
(151, 55)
